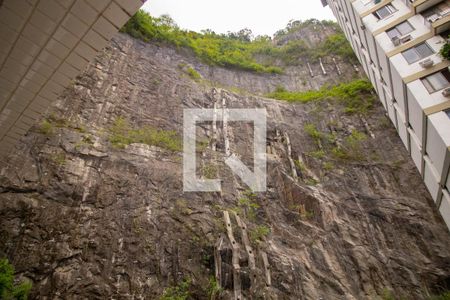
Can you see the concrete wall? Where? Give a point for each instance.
(45, 44)
(438, 143)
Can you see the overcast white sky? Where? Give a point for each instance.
(261, 16)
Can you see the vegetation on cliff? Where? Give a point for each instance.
(239, 50)
(123, 134)
(9, 290)
(233, 50)
(357, 96)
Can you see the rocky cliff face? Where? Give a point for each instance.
(83, 218)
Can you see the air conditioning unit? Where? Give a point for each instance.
(377, 1)
(427, 63)
(396, 41)
(446, 92)
(405, 39)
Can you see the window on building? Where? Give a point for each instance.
(400, 30)
(437, 81)
(384, 12)
(416, 53)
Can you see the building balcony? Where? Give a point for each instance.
(438, 143)
(422, 5)
(363, 7)
(383, 18)
(422, 102)
(401, 36)
(437, 17)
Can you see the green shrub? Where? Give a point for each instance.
(122, 134)
(248, 204)
(46, 127)
(9, 290)
(259, 233)
(351, 148)
(179, 292)
(119, 133)
(313, 132)
(445, 51)
(340, 153)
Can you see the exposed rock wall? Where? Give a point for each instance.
(83, 219)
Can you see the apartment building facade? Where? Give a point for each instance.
(398, 44)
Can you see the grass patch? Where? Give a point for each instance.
(319, 154)
(357, 96)
(122, 134)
